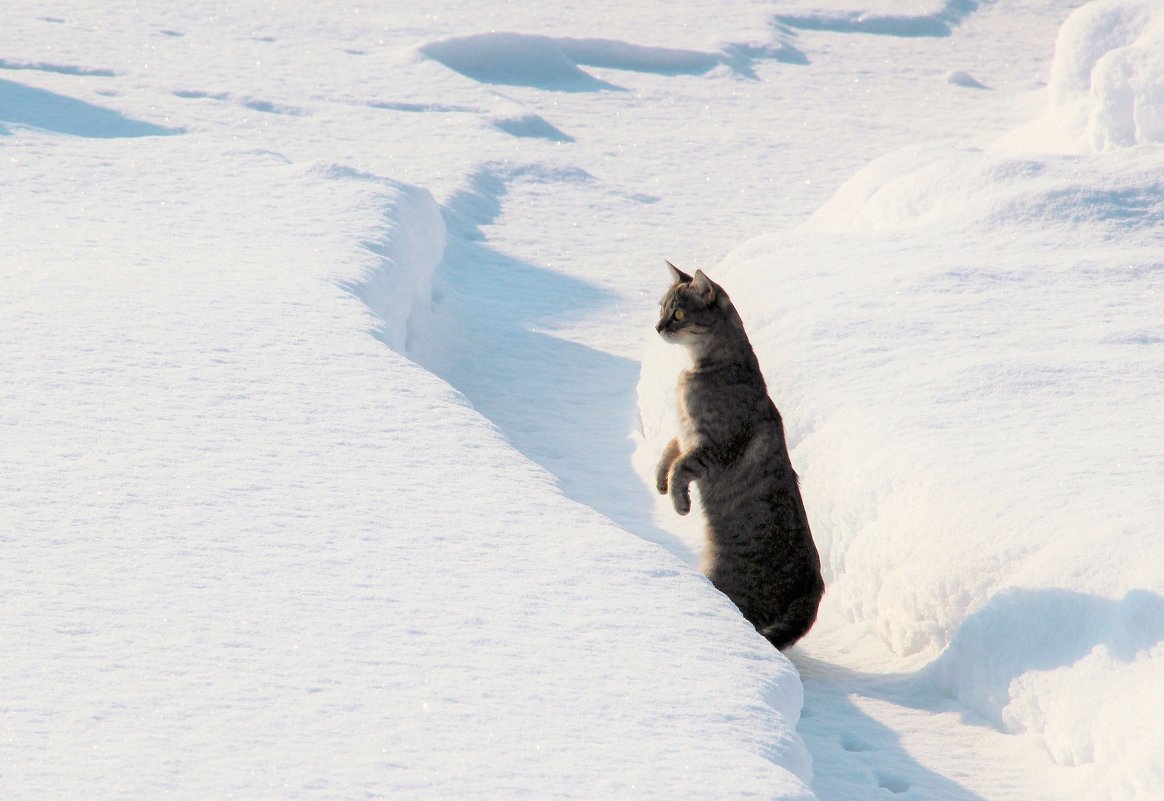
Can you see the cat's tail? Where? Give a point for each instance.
(794, 623)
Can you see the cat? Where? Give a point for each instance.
(760, 552)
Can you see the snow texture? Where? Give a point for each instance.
(1107, 81)
(330, 398)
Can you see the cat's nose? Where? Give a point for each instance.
(659, 326)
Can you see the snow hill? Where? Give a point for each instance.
(329, 390)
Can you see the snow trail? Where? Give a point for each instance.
(566, 406)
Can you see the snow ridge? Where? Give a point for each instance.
(398, 289)
(940, 22)
(552, 63)
(27, 105)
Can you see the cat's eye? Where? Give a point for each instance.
(679, 315)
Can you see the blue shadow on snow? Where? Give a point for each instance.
(940, 23)
(567, 407)
(1016, 632)
(39, 108)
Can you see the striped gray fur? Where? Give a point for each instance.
(760, 551)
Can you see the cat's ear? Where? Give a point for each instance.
(679, 276)
(704, 286)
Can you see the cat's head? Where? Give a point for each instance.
(693, 309)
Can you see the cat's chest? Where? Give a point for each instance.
(707, 410)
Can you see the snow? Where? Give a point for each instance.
(331, 398)
(964, 79)
(552, 63)
(882, 17)
(1107, 80)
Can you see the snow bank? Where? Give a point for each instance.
(1106, 88)
(410, 245)
(964, 346)
(250, 551)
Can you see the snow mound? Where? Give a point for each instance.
(989, 651)
(1066, 669)
(964, 79)
(552, 63)
(1106, 88)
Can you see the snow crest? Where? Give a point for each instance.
(1106, 88)
(397, 287)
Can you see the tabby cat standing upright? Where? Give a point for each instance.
(760, 552)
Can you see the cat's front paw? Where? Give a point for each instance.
(682, 501)
(666, 462)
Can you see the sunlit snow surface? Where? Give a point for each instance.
(329, 384)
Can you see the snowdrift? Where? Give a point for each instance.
(298, 565)
(1107, 81)
(552, 62)
(976, 424)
